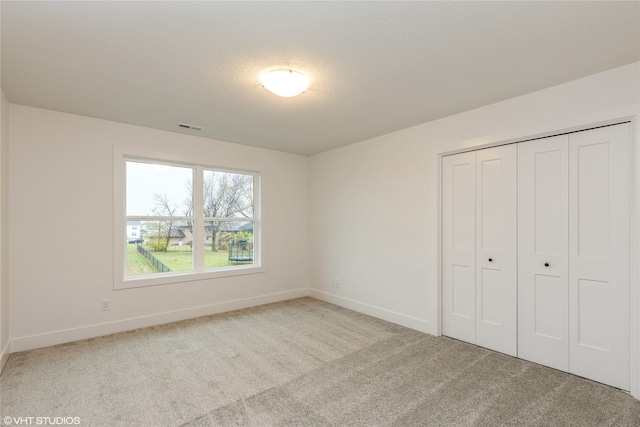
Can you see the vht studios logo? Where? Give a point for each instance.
(41, 421)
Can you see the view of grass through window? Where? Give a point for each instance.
(176, 258)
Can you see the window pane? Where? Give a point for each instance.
(227, 194)
(159, 190)
(228, 243)
(161, 246)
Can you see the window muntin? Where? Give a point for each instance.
(172, 210)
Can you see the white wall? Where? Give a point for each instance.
(4, 227)
(374, 205)
(61, 209)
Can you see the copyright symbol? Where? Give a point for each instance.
(7, 420)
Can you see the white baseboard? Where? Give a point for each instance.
(97, 330)
(4, 355)
(91, 331)
(377, 312)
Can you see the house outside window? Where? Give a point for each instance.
(133, 229)
(178, 221)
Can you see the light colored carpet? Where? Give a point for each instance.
(298, 363)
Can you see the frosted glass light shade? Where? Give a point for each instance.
(285, 82)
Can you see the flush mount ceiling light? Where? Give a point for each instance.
(285, 82)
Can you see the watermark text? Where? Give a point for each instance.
(41, 421)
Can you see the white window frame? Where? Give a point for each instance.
(121, 281)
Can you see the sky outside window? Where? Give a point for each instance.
(145, 180)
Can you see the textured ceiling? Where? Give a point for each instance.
(375, 67)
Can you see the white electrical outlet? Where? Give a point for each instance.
(335, 283)
(106, 305)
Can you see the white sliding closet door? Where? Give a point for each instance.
(459, 246)
(496, 249)
(599, 254)
(479, 247)
(536, 245)
(543, 239)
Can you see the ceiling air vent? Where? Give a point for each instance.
(187, 126)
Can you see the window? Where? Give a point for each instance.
(178, 221)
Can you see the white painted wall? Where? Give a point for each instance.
(374, 205)
(4, 227)
(61, 209)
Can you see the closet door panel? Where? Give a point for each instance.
(543, 296)
(599, 251)
(458, 246)
(496, 241)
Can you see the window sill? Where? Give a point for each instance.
(187, 276)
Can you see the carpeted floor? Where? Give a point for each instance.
(298, 363)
